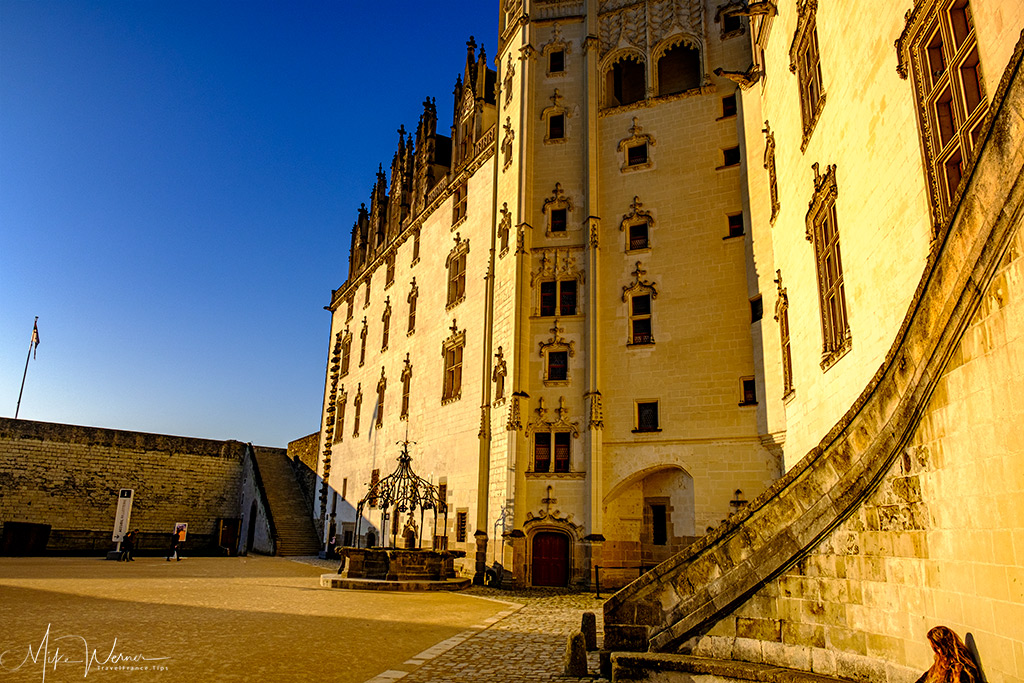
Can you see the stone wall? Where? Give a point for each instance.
(68, 477)
(907, 514)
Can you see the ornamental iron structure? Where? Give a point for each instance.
(402, 492)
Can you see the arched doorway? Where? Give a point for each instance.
(550, 559)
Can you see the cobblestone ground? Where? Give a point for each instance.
(525, 643)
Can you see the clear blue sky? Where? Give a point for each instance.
(177, 184)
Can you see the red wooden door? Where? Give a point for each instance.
(550, 559)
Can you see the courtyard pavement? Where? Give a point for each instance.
(267, 619)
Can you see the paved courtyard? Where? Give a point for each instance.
(262, 618)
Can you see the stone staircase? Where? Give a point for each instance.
(294, 533)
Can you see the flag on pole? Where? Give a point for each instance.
(35, 337)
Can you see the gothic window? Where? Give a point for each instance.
(823, 232)
(625, 81)
(504, 228)
(415, 248)
(647, 417)
(735, 225)
(558, 298)
(640, 331)
(346, 352)
(636, 149)
(498, 376)
(382, 385)
(554, 52)
(556, 62)
(555, 117)
(748, 386)
(339, 427)
(459, 203)
(350, 305)
(406, 383)
(679, 69)
(639, 236)
(358, 406)
(782, 317)
(556, 127)
(362, 344)
(542, 452)
(769, 165)
(638, 297)
(389, 277)
(556, 209)
(556, 353)
(637, 226)
(386, 321)
(805, 62)
(558, 366)
(451, 351)
(942, 47)
(414, 293)
(366, 301)
(456, 265)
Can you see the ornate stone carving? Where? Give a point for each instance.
(639, 284)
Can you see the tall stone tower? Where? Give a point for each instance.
(562, 290)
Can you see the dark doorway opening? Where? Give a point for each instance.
(250, 532)
(550, 560)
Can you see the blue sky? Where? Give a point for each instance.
(177, 184)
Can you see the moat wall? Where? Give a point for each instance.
(68, 477)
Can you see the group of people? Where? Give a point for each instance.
(131, 539)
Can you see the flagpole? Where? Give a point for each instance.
(24, 374)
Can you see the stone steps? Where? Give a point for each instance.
(293, 524)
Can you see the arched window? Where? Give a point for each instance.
(626, 82)
(678, 69)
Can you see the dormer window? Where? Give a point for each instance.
(556, 62)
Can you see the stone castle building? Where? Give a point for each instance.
(664, 257)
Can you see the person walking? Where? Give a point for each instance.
(177, 538)
(128, 546)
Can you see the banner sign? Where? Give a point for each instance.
(123, 517)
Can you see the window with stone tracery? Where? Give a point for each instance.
(805, 62)
(456, 265)
(679, 69)
(625, 81)
(942, 46)
(823, 232)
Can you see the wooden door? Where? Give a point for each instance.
(550, 559)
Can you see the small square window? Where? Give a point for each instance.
(756, 309)
(731, 157)
(730, 24)
(638, 236)
(728, 106)
(647, 416)
(556, 62)
(558, 220)
(558, 366)
(736, 225)
(636, 155)
(749, 391)
(556, 127)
